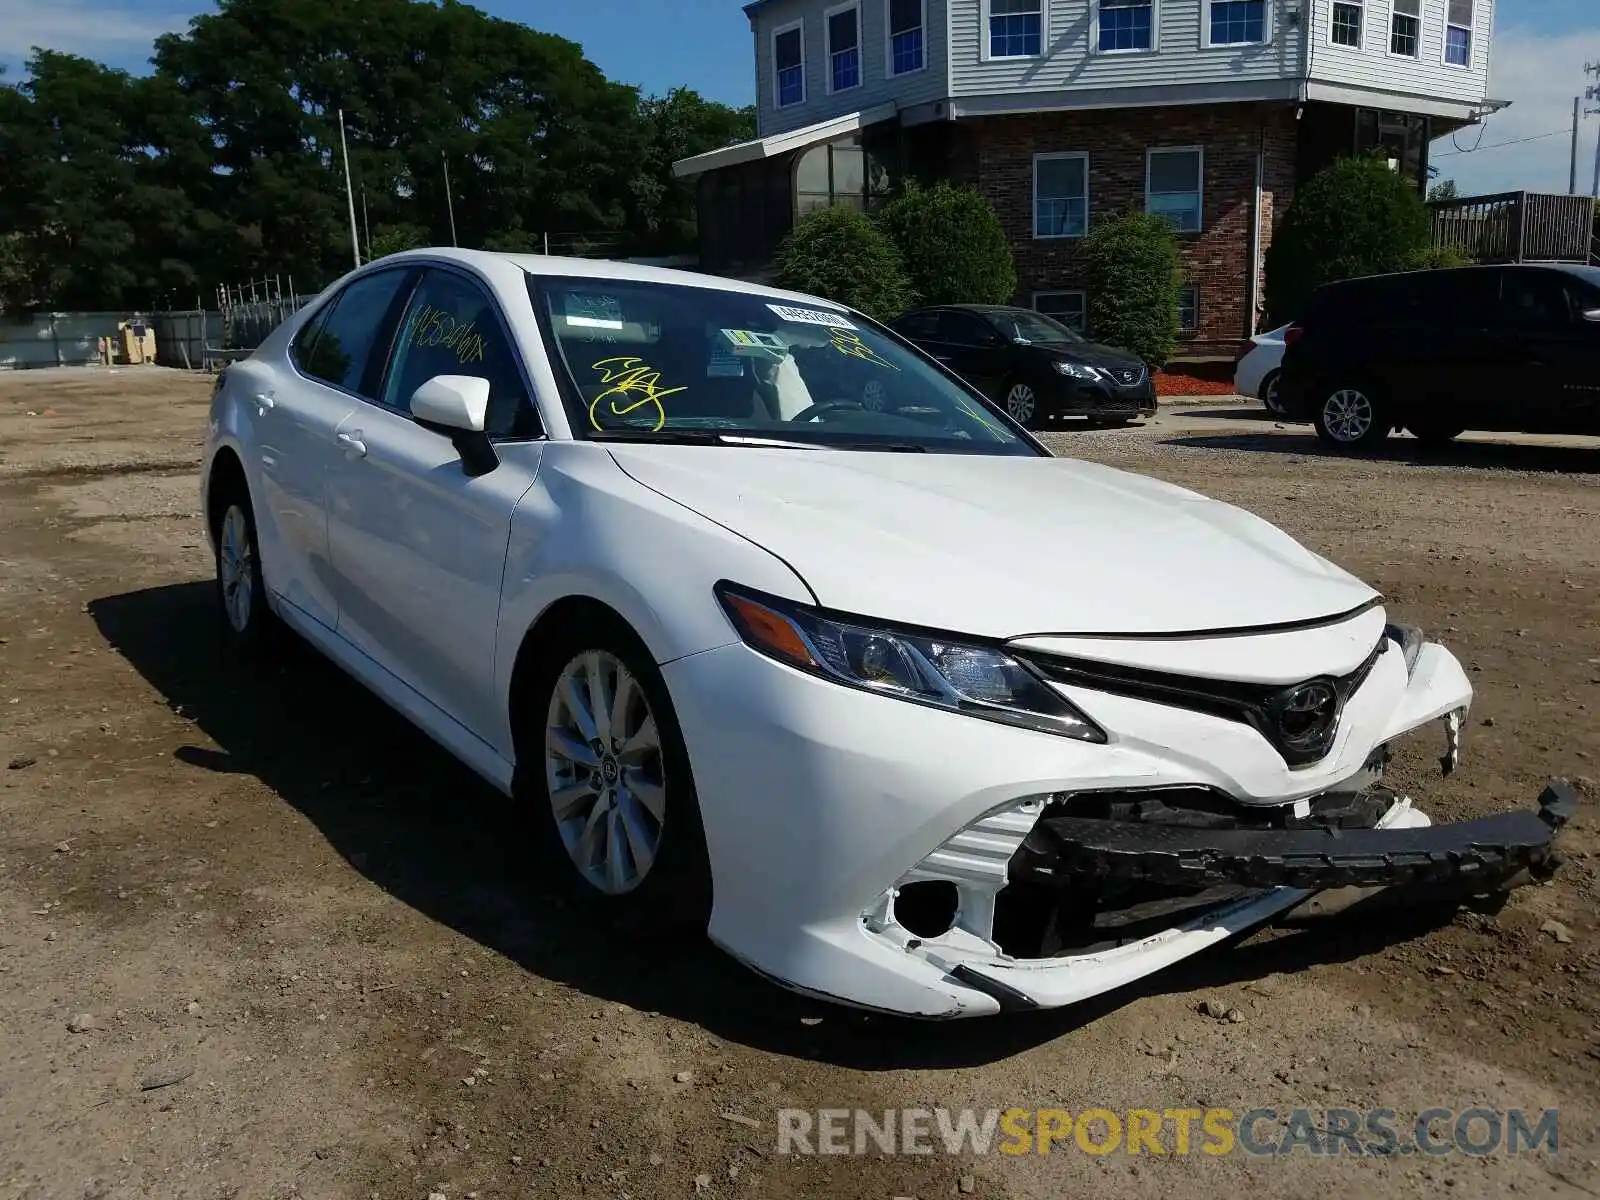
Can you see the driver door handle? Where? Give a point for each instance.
(354, 447)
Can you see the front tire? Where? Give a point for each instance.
(1352, 416)
(241, 592)
(1021, 404)
(609, 786)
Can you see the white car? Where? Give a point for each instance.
(1256, 373)
(900, 709)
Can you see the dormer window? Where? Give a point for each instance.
(1458, 33)
(1127, 25)
(789, 65)
(844, 46)
(1016, 28)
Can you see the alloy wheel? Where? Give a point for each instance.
(1020, 403)
(236, 567)
(1271, 398)
(605, 772)
(1348, 415)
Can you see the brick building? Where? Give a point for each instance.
(1207, 111)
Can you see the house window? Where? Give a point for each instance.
(1458, 33)
(1127, 24)
(843, 26)
(841, 174)
(1188, 309)
(1346, 25)
(905, 36)
(1060, 195)
(1070, 308)
(1172, 186)
(789, 65)
(1016, 28)
(1405, 23)
(1235, 22)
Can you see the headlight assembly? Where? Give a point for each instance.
(928, 669)
(1076, 370)
(1410, 639)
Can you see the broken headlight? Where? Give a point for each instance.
(929, 669)
(1410, 640)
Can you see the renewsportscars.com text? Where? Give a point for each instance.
(1178, 1131)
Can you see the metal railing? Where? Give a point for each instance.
(1516, 227)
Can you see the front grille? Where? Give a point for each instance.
(1116, 403)
(1127, 376)
(1269, 709)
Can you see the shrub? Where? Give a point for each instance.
(841, 254)
(1131, 270)
(953, 247)
(1354, 217)
(1437, 257)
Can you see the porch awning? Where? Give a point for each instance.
(778, 143)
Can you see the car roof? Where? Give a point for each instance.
(600, 268)
(976, 309)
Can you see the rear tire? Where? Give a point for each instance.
(1435, 434)
(241, 591)
(1352, 415)
(605, 783)
(1269, 394)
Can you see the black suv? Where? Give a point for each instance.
(1032, 364)
(1512, 349)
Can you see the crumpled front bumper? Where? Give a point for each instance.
(1479, 855)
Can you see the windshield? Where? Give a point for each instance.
(1024, 325)
(650, 361)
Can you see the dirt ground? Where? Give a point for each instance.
(260, 939)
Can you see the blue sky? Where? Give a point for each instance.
(1540, 48)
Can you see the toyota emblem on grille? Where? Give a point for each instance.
(1305, 716)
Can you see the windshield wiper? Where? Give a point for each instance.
(733, 437)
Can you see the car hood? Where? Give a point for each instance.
(1092, 354)
(1001, 547)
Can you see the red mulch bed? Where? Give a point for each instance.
(1182, 383)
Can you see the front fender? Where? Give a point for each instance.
(587, 529)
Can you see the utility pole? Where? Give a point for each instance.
(1572, 171)
(1592, 92)
(449, 203)
(366, 229)
(349, 192)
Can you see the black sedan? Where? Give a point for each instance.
(1032, 364)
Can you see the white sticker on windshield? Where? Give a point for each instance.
(592, 323)
(811, 316)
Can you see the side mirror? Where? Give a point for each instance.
(457, 407)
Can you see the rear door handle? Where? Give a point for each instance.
(264, 401)
(354, 447)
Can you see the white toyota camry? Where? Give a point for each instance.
(898, 707)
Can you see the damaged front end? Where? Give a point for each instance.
(1065, 895)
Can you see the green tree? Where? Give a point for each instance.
(1130, 264)
(953, 246)
(1354, 217)
(392, 239)
(841, 254)
(680, 125)
(1444, 189)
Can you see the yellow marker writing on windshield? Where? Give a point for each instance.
(632, 381)
(849, 343)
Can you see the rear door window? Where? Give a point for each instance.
(1535, 300)
(922, 327)
(964, 329)
(342, 353)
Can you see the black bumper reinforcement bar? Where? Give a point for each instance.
(1071, 851)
